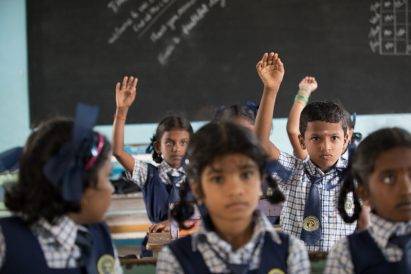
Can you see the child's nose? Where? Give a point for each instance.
(235, 187)
(175, 148)
(326, 145)
(405, 182)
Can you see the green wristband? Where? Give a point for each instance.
(301, 98)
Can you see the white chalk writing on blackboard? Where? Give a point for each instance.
(390, 32)
(198, 13)
(152, 19)
(115, 5)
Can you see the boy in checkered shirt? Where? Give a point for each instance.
(311, 185)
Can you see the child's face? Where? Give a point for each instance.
(389, 185)
(231, 188)
(173, 146)
(324, 143)
(96, 200)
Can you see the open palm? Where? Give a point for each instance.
(126, 92)
(271, 70)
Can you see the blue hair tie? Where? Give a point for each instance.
(65, 170)
(251, 105)
(150, 147)
(353, 119)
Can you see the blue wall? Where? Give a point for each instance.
(14, 111)
(14, 115)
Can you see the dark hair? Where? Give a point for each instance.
(362, 164)
(325, 111)
(168, 123)
(215, 140)
(34, 196)
(227, 114)
(348, 118)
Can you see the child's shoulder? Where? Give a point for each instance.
(285, 167)
(290, 160)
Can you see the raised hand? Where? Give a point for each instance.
(271, 70)
(308, 84)
(126, 92)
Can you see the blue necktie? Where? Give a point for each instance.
(175, 188)
(403, 242)
(85, 242)
(311, 231)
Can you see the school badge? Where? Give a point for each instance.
(349, 205)
(105, 264)
(275, 271)
(311, 223)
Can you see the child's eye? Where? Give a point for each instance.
(216, 179)
(169, 143)
(315, 138)
(388, 178)
(335, 138)
(247, 174)
(184, 143)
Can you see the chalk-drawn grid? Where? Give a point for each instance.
(391, 30)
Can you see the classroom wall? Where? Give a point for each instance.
(14, 114)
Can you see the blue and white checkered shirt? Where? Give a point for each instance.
(140, 172)
(297, 261)
(294, 180)
(339, 260)
(57, 242)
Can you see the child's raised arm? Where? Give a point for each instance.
(306, 87)
(125, 95)
(271, 72)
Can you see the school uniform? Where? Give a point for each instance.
(351, 148)
(63, 247)
(310, 210)
(160, 186)
(374, 250)
(270, 210)
(206, 252)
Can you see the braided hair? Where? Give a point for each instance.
(204, 149)
(362, 164)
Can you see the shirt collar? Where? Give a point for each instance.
(64, 231)
(315, 171)
(261, 226)
(345, 155)
(166, 168)
(383, 229)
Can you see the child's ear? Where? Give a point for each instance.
(346, 137)
(302, 141)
